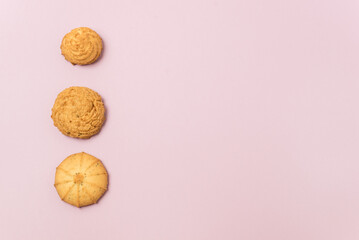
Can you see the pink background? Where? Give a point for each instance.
(227, 119)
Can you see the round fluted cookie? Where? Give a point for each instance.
(81, 46)
(81, 179)
(78, 112)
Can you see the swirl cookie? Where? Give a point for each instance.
(78, 112)
(81, 179)
(81, 46)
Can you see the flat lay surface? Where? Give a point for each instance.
(232, 119)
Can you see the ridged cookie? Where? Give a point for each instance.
(78, 112)
(81, 179)
(81, 46)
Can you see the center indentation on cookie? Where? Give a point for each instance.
(78, 178)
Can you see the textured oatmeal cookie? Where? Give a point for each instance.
(81, 46)
(81, 179)
(78, 112)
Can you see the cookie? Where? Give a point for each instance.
(78, 112)
(81, 46)
(81, 179)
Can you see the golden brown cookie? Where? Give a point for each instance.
(81, 46)
(78, 112)
(81, 179)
